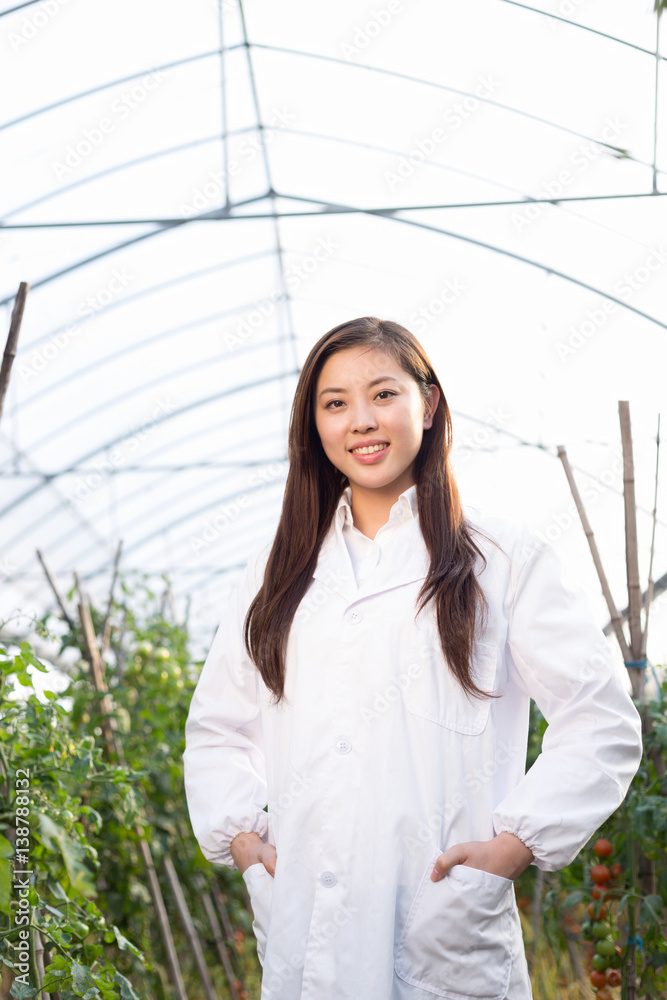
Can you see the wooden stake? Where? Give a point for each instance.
(163, 920)
(109, 725)
(615, 617)
(649, 590)
(12, 341)
(220, 944)
(190, 928)
(106, 630)
(637, 675)
(56, 593)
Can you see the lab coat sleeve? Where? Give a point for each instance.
(592, 747)
(224, 770)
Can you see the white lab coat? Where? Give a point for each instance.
(378, 762)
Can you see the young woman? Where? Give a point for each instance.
(369, 685)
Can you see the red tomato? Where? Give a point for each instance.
(598, 891)
(614, 977)
(600, 874)
(598, 978)
(603, 848)
(605, 994)
(596, 914)
(616, 870)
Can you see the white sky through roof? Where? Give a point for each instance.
(158, 355)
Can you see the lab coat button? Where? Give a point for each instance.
(354, 616)
(343, 745)
(328, 879)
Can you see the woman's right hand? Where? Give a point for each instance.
(249, 849)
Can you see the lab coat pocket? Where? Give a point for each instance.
(435, 693)
(260, 889)
(456, 942)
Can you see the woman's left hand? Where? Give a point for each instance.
(505, 855)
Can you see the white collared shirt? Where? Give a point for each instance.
(376, 762)
(365, 553)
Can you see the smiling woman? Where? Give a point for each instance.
(370, 685)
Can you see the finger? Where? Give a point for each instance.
(446, 861)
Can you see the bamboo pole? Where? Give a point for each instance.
(190, 928)
(106, 629)
(615, 617)
(649, 590)
(163, 919)
(637, 675)
(110, 739)
(12, 341)
(109, 724)
(220, 945)
(56, 592)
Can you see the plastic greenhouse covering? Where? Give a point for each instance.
(197, 192)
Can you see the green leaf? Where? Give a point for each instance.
(124, 944)
(21, 991)
(81, 980)
(5, 886)
(576, 896)
(127, 990)
(652, 910)
(55, 838)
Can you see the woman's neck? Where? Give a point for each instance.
(371, 506)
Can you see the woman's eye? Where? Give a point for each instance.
(386, 393)
(331, 401)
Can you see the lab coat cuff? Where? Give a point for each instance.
(221, 854)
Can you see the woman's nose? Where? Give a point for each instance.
(363, 419)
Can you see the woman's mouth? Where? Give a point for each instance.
(370, 454)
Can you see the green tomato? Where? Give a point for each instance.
(615, 961)
(606, 948)
(79, 929)
(600, 962)
(162, 653)
(599, 929)
(145, 648)
(587, 930)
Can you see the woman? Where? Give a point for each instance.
(370, 684)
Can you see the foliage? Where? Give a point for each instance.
(89, 809)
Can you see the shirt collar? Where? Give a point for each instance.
(404, 508)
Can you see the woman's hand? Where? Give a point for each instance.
(249, 849)
(505, 855)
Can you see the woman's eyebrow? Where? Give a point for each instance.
(380, 378)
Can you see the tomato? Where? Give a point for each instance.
(615, 961)
(600, 874)
(79, 929)
(598, 978)
(596, 911)
(603, 848)
(606, 947)
(616, 870)
(598, 891)
(614, 977)
(605, 994)
(600, 962)
(586, 930)
(599, 929)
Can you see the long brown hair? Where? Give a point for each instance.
(313, 489)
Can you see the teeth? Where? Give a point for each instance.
(368, 451)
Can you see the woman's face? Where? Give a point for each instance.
(364, 399)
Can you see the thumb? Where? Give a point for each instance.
(454, 856)
(269, 859)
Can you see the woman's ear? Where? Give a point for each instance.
(431, 405)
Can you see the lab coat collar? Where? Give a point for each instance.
(409, 562)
